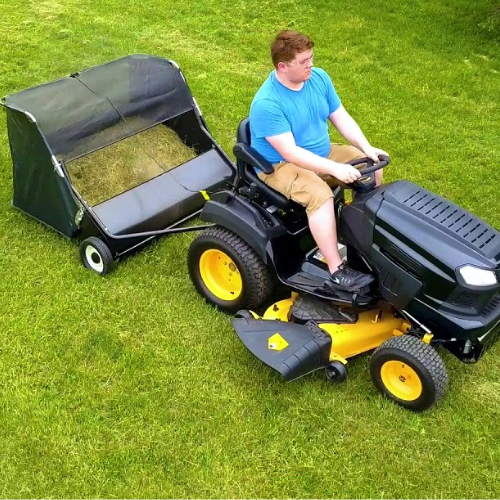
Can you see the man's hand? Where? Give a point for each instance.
(374, 153)
(345, 173)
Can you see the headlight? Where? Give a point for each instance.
(478, 277)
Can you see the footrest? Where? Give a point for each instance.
(306, 309)
(292, 350)
(312, 284)
(306, 280)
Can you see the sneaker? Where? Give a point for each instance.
(347, 279)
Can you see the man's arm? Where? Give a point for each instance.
(350, 130)
(286, 147)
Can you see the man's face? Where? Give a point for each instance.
(299, 68)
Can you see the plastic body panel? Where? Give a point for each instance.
(416, 241)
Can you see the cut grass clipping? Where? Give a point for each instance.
(123, 165)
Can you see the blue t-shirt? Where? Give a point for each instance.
(277, 109)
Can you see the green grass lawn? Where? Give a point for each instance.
(130, 386)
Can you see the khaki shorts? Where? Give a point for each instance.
(305, 187)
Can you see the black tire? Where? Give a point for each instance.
(247, 283)
(409, 371)
(96, 255)
(335, 372)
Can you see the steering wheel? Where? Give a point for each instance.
(371, 167)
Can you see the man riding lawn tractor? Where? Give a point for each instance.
(420, 272)
(289, 128)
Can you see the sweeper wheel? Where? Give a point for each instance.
(96, 255)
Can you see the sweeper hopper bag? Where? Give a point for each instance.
(115, 156)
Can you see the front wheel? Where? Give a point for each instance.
(227, 271)
(409, 371)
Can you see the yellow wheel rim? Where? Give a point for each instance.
(220, 275)
(401, 380)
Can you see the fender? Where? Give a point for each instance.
(251, 223)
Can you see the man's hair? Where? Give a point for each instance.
(287, 45)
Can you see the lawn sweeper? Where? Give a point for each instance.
(85, 164)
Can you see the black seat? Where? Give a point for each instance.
(247, 158)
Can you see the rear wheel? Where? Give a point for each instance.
(96, 255)
(409, 371)
(227, 271)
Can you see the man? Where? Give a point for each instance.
(289, 128)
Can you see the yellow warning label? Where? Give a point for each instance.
(277, 343)
(205, 195)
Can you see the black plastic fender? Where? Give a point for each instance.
(251, 223)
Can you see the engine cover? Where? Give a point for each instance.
(416, 241)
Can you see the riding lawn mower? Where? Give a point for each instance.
(437, 270)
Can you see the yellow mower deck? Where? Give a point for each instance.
(368, 332)
(297, 349)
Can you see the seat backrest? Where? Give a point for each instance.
(248, 173)
(243, 133)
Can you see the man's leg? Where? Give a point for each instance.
(324, 231)
(305, 187)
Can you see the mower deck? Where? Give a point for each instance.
(299, 335)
